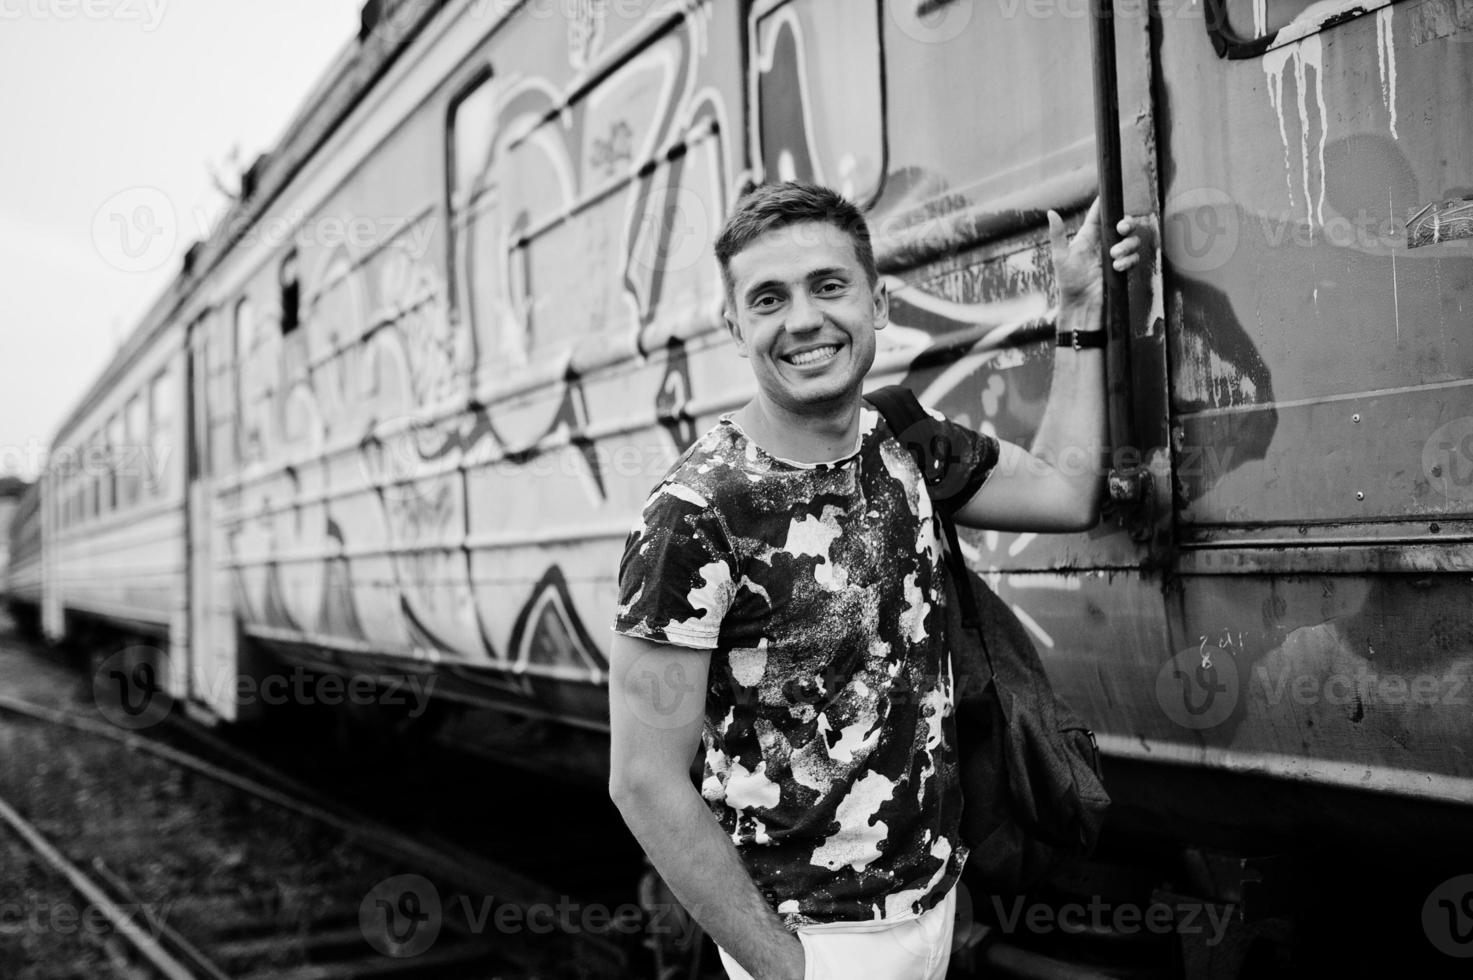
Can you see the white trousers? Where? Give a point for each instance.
(915, 949)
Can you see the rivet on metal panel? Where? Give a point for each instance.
(1355, 417)
(1360, 495)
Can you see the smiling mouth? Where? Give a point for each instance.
(816, 355)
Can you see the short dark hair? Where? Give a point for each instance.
(768, 207)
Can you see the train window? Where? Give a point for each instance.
(1244, 28)
(542, 260)
(818, 94)
(245, 326)
(151, 470)
(252, 385)
(987, 109)
(161, 399)
(135, 432)
(115, 441)
(78, 452)
(92, 475)
(472, 127)
(288, 279)
(476, 280)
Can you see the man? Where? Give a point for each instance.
(780, 599)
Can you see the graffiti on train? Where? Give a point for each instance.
(412, 399)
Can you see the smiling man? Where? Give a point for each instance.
(780, 601)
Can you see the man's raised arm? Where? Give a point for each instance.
(657, 697)
(1058, 485)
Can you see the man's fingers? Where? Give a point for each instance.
(1092, 216)
(1057, 238)
(1088, 237)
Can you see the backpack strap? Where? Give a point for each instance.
(903, 413)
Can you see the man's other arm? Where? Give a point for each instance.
(656, 711)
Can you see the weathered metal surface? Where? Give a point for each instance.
(1310, 343)
(1319, 392)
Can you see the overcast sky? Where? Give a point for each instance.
(114, 110)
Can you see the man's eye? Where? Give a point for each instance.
(764, 302)
(832, 286)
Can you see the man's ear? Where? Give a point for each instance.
(734, 330)
(882, 305)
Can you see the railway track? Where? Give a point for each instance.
(204, 862)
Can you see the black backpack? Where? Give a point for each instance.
(1032, 791)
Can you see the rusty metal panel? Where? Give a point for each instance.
(1372, 671)
(1358, 458)
(1294, 179)
(1360, 681)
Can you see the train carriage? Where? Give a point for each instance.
(110, 520)
(465, 314)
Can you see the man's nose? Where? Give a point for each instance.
(804, 314)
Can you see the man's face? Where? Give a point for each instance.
(804, 313)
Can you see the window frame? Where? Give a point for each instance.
(113, 429)
(134, 410)
(755, 13)
(160, 416)
(479, 76)
(289, 292)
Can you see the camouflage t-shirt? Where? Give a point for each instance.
(830, 743)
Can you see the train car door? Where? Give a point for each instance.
(212, 628)
(1317, 185)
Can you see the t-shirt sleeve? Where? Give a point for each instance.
(675, 579)
(971, 457)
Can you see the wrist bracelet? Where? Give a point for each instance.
(1082, 339)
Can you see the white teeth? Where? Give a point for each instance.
(813, 356)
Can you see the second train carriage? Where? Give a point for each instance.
(109, 525)
(465, 315)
